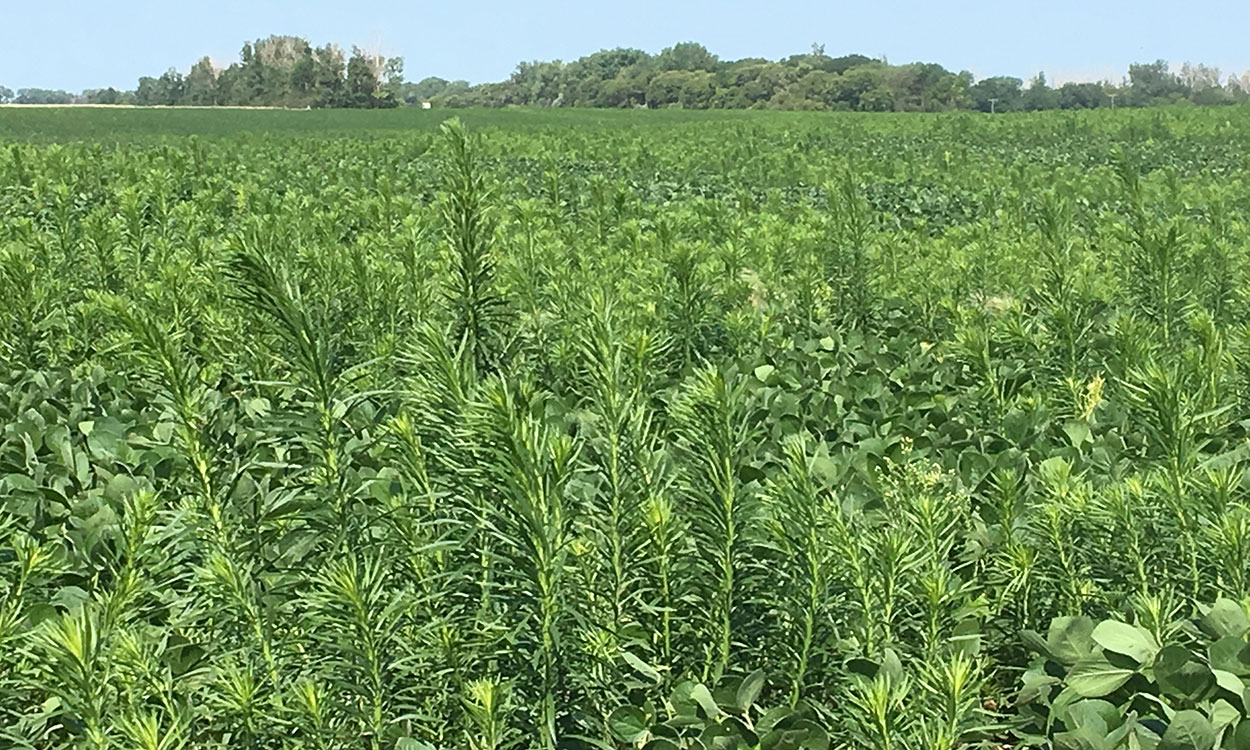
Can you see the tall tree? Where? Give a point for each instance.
(329, 76)
(1153, 81)
(201, 83)
(362, 84)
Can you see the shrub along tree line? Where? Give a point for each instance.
(288, 71)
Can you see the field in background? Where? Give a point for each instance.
(28, 122)
(122, 124)
(675, 430)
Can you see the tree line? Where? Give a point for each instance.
(287, 71)
(280, 71)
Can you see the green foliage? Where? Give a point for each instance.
(564, 428)
(287, 71)
(1118, 685)
(695, 716)
(278, 71)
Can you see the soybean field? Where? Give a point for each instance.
(527, 429)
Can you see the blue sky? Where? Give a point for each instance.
(78, 44)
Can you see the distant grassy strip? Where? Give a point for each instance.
(34, 123)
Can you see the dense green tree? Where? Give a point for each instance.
(1151, 82)
(606, 64)
(818, 60)
(42, 96)
(364, 85)
(361, 82)
(1212, 96)
(927, 87)
(414, 93)
(665, 88)
(166, 91)
(1082, 96)
(584, 79)
(759, 80)
(102, 96)
(997, 94)
(250, 86)
(5, 95)
(627, 89)
(539, 83)
(304, 78)
(865, 88)
(686, 56)
(818, 89)
(846, 62)
(698, 90)
(1039, 95)
(328, 65)
(201, 84)
(393, 77)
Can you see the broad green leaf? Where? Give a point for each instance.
(966, 637)
(750, 689)
(774, 716)
(892, 665)
(1230, 654)
(683, 698)
(1189, 730)
(1036, 642)
(70, 598)
(1223, 714)
(1231, 683)
(1066, 698)
(1145, 737)
(1225, 618)
(1036, 682)
(1118, 736)
(1181, 675)
(1122, 638)
(1082, 738)
(1070, 638)
(703, 697)
(628, 723)
(1078, 433)
(728, 734)
(1093, 676)
(106, 437)
(1092, 712)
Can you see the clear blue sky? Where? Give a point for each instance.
(78, 44)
